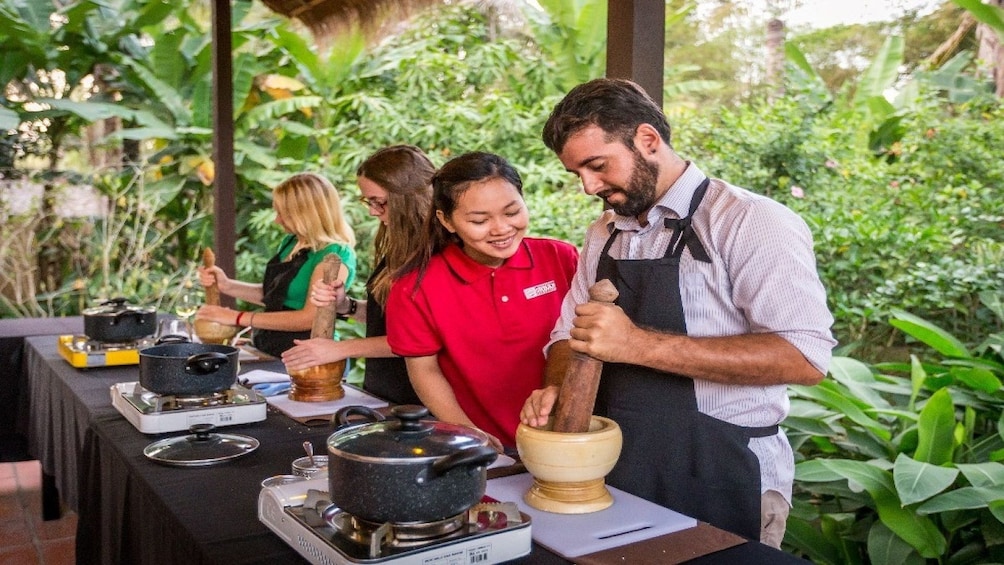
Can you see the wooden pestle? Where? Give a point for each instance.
(213, 290)
(324, 318)
(577, 396)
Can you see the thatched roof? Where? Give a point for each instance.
(325, 18)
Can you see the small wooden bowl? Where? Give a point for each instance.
(215, 332)
(320, 383)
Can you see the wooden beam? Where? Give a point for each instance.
(225, 177)
(636, 39)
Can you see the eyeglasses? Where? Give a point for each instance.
(375, 203)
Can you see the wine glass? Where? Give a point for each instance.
(188, 304)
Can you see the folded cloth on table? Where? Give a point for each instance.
(272, 389)
(258, 376)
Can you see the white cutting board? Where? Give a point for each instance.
(296, 409)
(628, 520)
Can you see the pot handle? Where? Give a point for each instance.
(205, 363)
(342, 417)
(472, 457)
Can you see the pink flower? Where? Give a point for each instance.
(830, 164)
(797, 191)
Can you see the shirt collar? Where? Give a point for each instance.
(469, 270)
(675, 203)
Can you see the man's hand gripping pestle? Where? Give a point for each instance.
(577, 396)
(324, 317)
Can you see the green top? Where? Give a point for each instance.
(296, 296)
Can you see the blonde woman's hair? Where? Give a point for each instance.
(311, 209)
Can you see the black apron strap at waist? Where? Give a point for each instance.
(762, 431)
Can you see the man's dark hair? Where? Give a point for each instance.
(617, 106)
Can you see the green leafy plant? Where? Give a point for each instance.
(901, 463)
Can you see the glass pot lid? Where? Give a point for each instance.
(202, 447)
(406, 437)
(117, 306)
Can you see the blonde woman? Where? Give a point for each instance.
(307, 207)
(395, 185)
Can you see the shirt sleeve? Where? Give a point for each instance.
(348, 257)
(410, 330)
(772, 267)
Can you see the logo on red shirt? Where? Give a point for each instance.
(540, 290)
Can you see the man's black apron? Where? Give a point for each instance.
(674, 455)
(278, 276)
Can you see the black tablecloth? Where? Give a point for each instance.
(14, 409)
(132, 510)
(63, 402)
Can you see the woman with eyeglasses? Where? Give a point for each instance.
(395, 186)
(472, 309)
(308, 208)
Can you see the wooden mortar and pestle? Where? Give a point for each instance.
(206, 330)
(570, 457)
(321, 382)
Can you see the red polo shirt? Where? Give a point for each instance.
(487, 325)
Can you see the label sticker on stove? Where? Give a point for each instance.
(200, 418)
(470, 555)
(479, 554)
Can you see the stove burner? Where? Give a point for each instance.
(150, 402)
(395, 534)
(85, 344)
(152, 413)
(173, 402)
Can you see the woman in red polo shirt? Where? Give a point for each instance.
(472, 309)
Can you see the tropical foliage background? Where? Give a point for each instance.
(884, 137)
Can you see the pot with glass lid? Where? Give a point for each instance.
(406, 468)
(117, 321)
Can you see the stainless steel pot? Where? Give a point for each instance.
(405, 469)
(117, 321)
(188, 369)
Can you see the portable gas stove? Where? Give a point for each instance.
(153, 413)
(298, 513)
(83, 352)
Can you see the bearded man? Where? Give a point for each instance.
(720, 307)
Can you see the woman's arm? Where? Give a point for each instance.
(436, 393)
(311, 352)
(248, 292)
(322, 294)
(286, 320)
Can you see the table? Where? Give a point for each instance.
(132, 510)
(14, 408)
(63, 401)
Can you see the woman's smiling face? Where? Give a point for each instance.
(490, 219)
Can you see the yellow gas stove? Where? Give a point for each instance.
(83, 352)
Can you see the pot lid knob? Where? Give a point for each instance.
(410, 417)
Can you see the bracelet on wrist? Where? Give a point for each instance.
(239, 316)
(251, 320)
(353, 306)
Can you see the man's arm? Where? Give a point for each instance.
(606, 333)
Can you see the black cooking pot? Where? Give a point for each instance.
(188, 369)
(405, 469)
(117, 321)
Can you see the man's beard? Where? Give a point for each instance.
(640, 191)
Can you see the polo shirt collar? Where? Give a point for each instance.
(469, 270)
(675, 203)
